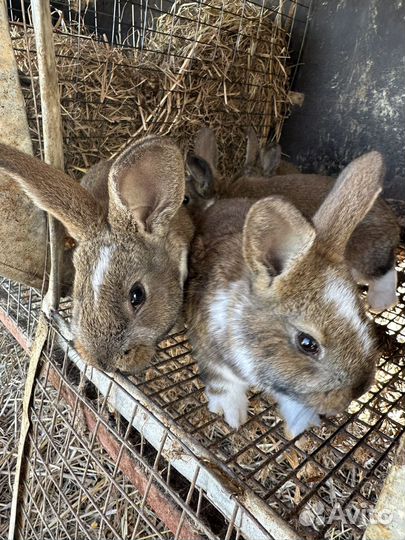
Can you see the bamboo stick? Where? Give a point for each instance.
(52, 134)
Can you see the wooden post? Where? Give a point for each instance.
(52, 133)
(53, 150)
(23, 229)
(13, 119)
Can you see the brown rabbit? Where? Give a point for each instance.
(271, 303)
(23, 226)
(263, 162)
(133, 238)
(370, 250)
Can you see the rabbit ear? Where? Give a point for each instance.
(53, 191)
(270, 158)
(201, 175)
(352, 196)
(205, 147)
(252, 147)
(275, 236)
(147, 185)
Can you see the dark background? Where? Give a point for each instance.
(353, 78)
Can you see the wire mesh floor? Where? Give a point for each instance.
(340, 465)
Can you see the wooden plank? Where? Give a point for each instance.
(52, 134)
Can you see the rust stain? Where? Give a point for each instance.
(161, 504)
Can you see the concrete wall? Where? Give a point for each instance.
(353, 78)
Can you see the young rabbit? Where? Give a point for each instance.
(133, 237)
(23, 226)
(271, 303)
(23, 234)
(266, 161)
(370, 251)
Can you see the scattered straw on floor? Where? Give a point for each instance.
(111, 502)
(13, 368)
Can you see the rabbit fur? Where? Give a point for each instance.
(371, 249)
(131, 228)
(264, 280)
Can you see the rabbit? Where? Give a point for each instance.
(133, 239)
(23, 234)
(270, 302)
(263, 162)
(203, 184)
(371, 249)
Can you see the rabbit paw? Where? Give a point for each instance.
(47, 305)
(298, 417)
(382, 292)
(233, 405)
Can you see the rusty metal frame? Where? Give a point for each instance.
(177, 439)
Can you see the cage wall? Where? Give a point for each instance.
(141, 457)
(173, 67)
(353, 85)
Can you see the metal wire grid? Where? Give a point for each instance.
(342, 463)
(20, 306)
(128, 26)
(90, 474)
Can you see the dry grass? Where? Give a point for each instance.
(199, 66)
(13, 368)
(190, 73)
(83, 471)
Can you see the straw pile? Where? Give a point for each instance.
(121, 513)
(13, 367)
(199, 65)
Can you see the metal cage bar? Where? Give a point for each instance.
(166, 466)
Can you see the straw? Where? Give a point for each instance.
(199, 65)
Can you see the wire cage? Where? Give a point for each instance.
(142, 457)
(172, 66)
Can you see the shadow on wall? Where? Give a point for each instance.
(353, 77)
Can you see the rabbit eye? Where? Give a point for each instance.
(186, 200)
(307, 344)
(137, 295)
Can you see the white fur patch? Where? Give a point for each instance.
(225, 322)
(102, 265)
(184, 265)
(228, 377)
(382, 292)
(297, 416)
(209, 203)
(232, 402)
(244, 360)
(218, 313)
(241, 356)
(344, 298)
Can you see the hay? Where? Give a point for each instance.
(121, 514)
(13, 367)
(199, 65)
